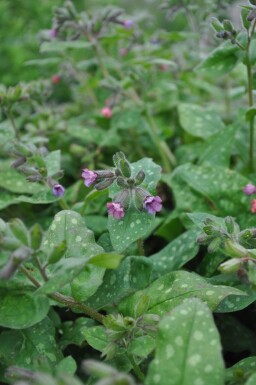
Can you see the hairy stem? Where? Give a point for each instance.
(136, 368)
(65, 300)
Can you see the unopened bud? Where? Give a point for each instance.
(34, 178)
(117, 157)
(251, 16)
(28, 170)
(234, 249)
(151, 319)
(18, 162)
(211, 230)
(36, 234)
(203, 239)
(214, 245)
(139, 178)
(230, 224)
(230, 266)
(104, 184)
(104, 174)
(216, 24)
(228, 26)
(121, 182)
(223, 35)
(23, 149)
(139, 196)
(125, 168)
(124, 198)
(141, 306)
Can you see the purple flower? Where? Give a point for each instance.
(89, 177)
(153, 204)
(115, 209)
(128, 24)
(58, 190)
(53, 33)
(249, 189)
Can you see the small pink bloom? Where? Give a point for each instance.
(106, 112)
(128, 24)
(153, 204)
(253, 206)
(55, 79)
(89, 177)
(123, 51)
(249, 189)
(53, 33)
(164, 67)
(58, 190)
(115, 209)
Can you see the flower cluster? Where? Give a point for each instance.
(131, 193)
(249, 190)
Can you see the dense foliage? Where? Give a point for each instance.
(127, 177)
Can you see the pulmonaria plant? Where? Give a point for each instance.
(131, 193)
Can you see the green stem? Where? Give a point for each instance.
(136, 368)
(10, 116)
(250, 98)
(140, 247)
(65, 300)
(63, 204)
(41, 269)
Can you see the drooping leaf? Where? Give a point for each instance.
(171, 289)
(60, 46)
(188, 348)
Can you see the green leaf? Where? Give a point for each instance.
(96, 337)
(31, 347)
(126, 119)
(52, 161)
(199, 122)
(135, 224)
(221, 61)
(188, 351)
(72, 332)
(132, 274)
(176, 254)
(67, 365)
(241, 370)
(251, 380)
(107, 260)
(142, 346)
(7, 199)
(39, 198)
(19, 310)
(171, 289)
(61, 46)
(219, 148)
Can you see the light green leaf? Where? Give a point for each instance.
(13, 181)
(126, 119)
(52, 161)
(142, 346)
(245, 367)
(60, 46)
(7, 199)
(221, 61)
(41, 197)
(67, 365)
(96, 337)
(19, 310)
(219, 148)
(71, 332)
(251, 380)
(198, 121)
(107, 260)
(188, 348)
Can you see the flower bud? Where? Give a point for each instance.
(251, 16)
(36, 235)
(216, 24)
(125, 168)
(228, 26)
(151, 319)
(124, 198)
(23, 149)
(211, 230)
(117, 157)
(234, 249)
(121, 182)
(104, 174)
(203, 239)
(105, 183)
(20, 231)
(223, 35)
(34, 178)
(140, 195)
(139, 178)
(230, 266)
(28, 170)
(214, 245)
(18, 162)
(231, 225)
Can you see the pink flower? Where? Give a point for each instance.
(253, 206)
(115, 209)
(128, 24)
(58, 190)
(106, 112)
(249, 189)
(153, 204)
(53, 33)
(89, 177)
(123, 51)
(55, 79)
